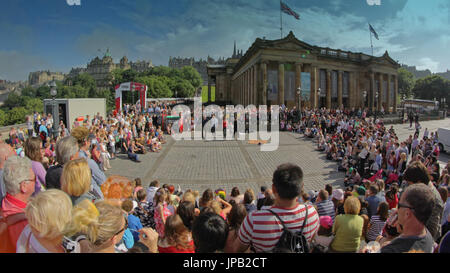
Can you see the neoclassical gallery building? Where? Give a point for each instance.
(291, 72)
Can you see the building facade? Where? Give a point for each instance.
(39, 78)
(200, 66)
(100, 69)
(291, 72)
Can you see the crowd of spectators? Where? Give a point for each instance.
(394, 199)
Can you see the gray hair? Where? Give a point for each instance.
(16, 170)
(65, 149)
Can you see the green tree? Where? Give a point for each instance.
(3, 118)
(85, 80)
(29, 92)
(406, 81)
(184, 89)
(17, 115)
(43, 92)
(34, 105)
(191, 74)
(157, 86)
(432, 87)
(14, 100)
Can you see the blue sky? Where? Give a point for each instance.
(50, 34)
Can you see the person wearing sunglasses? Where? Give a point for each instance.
(414, 210)
(417, 173)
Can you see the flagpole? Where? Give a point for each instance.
(281, 21)
(371, 44)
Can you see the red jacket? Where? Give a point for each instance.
(12, 206)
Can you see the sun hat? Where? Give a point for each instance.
(326, 221)
(338, 194)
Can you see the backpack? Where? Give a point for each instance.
(292, 242)
(6, 246)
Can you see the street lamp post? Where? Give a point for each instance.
(364, 95)
(319, 91)
(299, 93)
(376, 102)
(53, 93)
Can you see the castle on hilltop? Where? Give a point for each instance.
(100, 69)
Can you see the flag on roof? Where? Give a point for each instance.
(288, 10)
(373, 31)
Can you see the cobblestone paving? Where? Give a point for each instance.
(199, 165)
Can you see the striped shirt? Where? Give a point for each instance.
(376, 227)
(262, 229)
(326, 208)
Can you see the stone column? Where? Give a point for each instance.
(298, 82)
(351, 90)
(255, 85)
(280, 84)
(209, 89)
(340, 87)
(313, 74)
(380, 92)
(328, 89)
(371, 95)
(388, 99)
(264, 83)
(395, 92)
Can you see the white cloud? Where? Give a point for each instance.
(428, 63)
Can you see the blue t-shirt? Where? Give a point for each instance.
(134, 224)
(374, 201)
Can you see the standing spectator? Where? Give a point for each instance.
(48, 214)
(19, 182)
(76, 180)
(348, 227)
(81, 135)
(377, 222)
(210, 232)
(5, 152)
(33, 147)
(66, 150)
(287, 186)
(161, 211)
(414, 210)
(178, 238)
(324, 206)
(418, 173)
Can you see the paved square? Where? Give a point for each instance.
(199, 165)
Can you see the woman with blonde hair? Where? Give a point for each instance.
(48, 213)
(76, 180)
(178, 238)
(103, 224)
(33, 147)
(348, 227)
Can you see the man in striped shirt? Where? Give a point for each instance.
(324, 206)
(262, 230)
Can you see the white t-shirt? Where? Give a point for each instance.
(27, 243)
